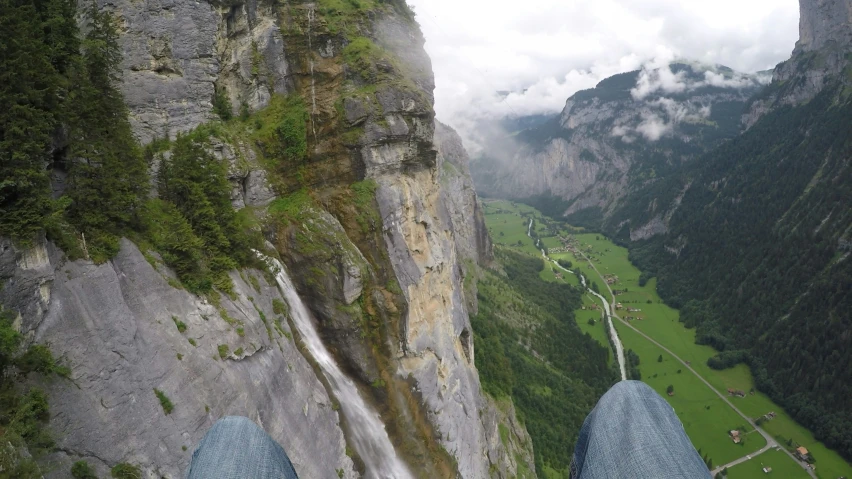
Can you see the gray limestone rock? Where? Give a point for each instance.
(437, 344)
(511, 451)
(467, 221)
(176, 51)
(356, 110)
(824, 23)
(170, 63)
(115, 326)
(821, 58)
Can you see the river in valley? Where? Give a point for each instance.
(613, 334)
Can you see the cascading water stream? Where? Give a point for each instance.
(311, 16)
(367, 432)
(564, 269)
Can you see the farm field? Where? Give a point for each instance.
(781, 465)
(707, 428)
(661, 323)
(597, 330)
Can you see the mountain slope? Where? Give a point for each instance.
(757, 254)
(783, 213)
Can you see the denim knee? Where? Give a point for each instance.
(628, 391)
(232, 424)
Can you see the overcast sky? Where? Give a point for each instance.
(553, 48)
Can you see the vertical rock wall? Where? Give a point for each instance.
(117, 324)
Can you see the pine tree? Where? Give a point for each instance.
(27, 98)
(108, 176)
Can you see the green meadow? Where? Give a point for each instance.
(706, 418)
(660, 322)
(598, 330)
(776, 462)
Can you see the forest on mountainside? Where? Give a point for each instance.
(61, 114)
(756, 258)
(529, 347)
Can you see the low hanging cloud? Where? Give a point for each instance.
(659, 118)
(544, 51)
(655, 78)
(653, 127)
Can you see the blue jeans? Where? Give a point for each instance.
(237, 448)
(631, 433)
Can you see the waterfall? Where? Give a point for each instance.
(311, 16)
(367, 433)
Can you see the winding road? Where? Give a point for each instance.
(770, 441)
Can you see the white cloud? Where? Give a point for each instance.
(654, 79)
(735, 81)
(546, 50)
(659, 118)
(653, 127)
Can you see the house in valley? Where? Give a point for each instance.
(735, 436)
(736, 392)
(802, 453)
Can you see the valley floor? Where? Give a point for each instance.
(707, 418)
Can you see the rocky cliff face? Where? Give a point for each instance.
(380, 229)
(473, 243)
(824, 23)
(821, 59)
(116, 326)
(620, 137)
(177, 54)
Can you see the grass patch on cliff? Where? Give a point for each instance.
(223, 350)
(281, 131)
(364, 201)
(362, 54)
(181, 326)
(126, 471)
(165, 402)
(293, 208)
(82, 470)
(339, 14)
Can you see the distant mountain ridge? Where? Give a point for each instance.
(618, 137)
